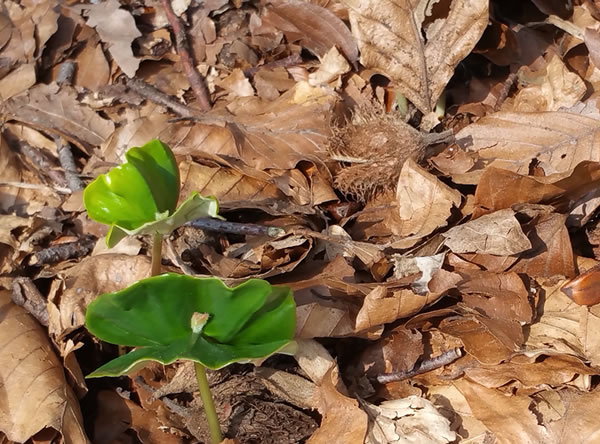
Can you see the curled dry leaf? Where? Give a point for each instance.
(35, 393)
(549, 89)
(317, 28)
(565, 327)
(342, 417)
(409, 420)
(498, 233)
(117, 30)
(558, 141)
(390, 38)
(332, 66)
(551, 252)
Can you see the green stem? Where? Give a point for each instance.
(209, 405)
(156, 253)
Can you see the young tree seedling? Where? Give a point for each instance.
(172, 317)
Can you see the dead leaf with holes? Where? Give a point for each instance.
(414, 47)
(35, 393)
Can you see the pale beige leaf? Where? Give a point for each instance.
(558, 141)
(117, 30)
(409, 420)
(550, 89)
(58, 111)
(35, 393)
(509, 417)
(497, 233)
(424, 202)
(333, 65)
(389, 35)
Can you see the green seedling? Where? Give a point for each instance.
(140, 197)
(174, 317)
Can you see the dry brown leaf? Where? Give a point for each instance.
(408, 420)
(17, 81)
(509, 417)
(548, 89)
(81, 284)
(398, 351)
(93, 70)
(558, 141)
(569, 415)
(383, 305)
(35, 393)
(565, 327)
(390, 38)
(116, 415)
(342, 417)
(499, 296)
(551, 253)
(333, 65)
(424, 202)
(497, 233)
(117, 30)
(57, 110)
(316, 28)
(553, 371)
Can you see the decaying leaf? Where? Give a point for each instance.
(558, 141)
(342, 417)
(391, 41)
(498, 233)
(57, 110)
(409, 420)
(36, 395)
(118, 30)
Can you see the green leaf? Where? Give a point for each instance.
(194, 207)
(247, 322)
(141, 190)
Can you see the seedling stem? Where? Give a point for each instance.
(209, 405)
(156, 253)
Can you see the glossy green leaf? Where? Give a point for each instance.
(247, 322)
(137, 191)
(194, 207)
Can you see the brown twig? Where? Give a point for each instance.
(65, 157)
(197, 81)
(26, 294)
(157, 96)
(62, 252)
(506, 87)
(223, 226)
(42, 163)
(291, 60)
(422, 367)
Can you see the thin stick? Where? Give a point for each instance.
(223, 226)
(65, 157)
(63, 252)
(36, 186)
(155, 95)
(197, 81)
(430, 364)
(157, 239)
(209, 405)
